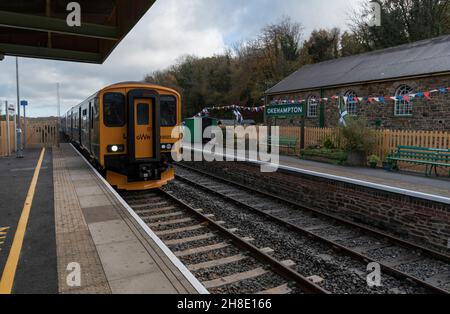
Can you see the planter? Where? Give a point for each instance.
(387, 165)
(356, 159)
(373, 165)
(337, 157)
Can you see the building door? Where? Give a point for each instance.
(143, 128)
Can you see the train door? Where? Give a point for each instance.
(90, 125)
(79, 126)
(71, 125)
(143, 128)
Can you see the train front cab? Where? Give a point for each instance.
(135, 144)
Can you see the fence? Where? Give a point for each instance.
(39, 133)
(386, 140)
(42, 133)
(4, 138)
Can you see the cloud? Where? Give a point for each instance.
(171, 29)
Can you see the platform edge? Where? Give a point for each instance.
(175, 261)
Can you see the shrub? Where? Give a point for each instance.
(328, 143)
(373, 159)
(357, 136)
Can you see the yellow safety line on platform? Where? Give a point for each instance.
(7, 281)
(3, 232)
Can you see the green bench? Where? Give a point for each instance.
(290, 143)
(432, 158)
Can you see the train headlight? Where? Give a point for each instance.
(116, 148)
(166, 146)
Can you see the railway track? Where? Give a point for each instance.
(400, 259)
(221, 260)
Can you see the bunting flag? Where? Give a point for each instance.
(426, 95)
(234, 108)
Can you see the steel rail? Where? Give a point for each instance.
(302, 282)
(402, 242)
(334, 245)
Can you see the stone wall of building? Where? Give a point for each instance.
(419, 220)
(429, 115)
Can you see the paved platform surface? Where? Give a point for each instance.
(76, 226)
(418, 182)
(94, 230)
(36, 270)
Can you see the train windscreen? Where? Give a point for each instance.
(168, 111)
(114, 109)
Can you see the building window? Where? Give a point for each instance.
(403, 107)
(312, 106)
(352, 103)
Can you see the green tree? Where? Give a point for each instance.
(323, 45)
(351, 44)
(402, 21)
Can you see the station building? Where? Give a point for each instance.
(413, 68)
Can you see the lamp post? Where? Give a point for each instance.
(19, 153)
(24, 104)
(8, 130)
(59, 113)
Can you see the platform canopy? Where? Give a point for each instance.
(38, 28)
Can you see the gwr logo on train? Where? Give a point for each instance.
(143, 137)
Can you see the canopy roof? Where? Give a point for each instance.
(38, 28)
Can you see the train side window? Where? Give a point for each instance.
(84, 115)
(91, 115)
(114, 109)
(143, 114)
(168, 111)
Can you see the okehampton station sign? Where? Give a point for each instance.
(296, 109)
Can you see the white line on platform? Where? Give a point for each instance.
(383, 187)
(187, 274)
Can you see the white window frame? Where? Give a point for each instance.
(403, 108)
(352, 106)
(313, 107)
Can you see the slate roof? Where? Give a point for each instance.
(419, 58)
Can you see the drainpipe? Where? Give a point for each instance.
(322, 110)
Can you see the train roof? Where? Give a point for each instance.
(129, 84)
(140, 84)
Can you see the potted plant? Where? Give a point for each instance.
(358, 139)
(373, 161)
(387, 164)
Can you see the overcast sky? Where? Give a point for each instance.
(171, 29)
